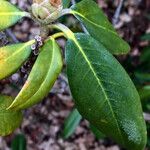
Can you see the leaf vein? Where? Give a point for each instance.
(103, 28)
(99, 82)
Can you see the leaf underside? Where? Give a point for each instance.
(97, 24)
(42, 76)
(103, 92)
(9, 14)
(10, 120)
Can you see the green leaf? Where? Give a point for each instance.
(19, 142)
(145, 55)
(10, 120)
(9, 14)
(66, 3)
(97, 24)
(145, 93)
(71, 123)
(12, 57)
(142, 77)
(146, 37)
(97, 133)
(42, 77)
(103, 92)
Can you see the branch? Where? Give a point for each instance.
(73, 2)
(12, 36)
(117, 13)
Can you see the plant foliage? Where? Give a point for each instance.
(102, 90)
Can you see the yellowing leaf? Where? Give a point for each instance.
(12, 57)
(9, 14)
(42, 77)
(9, 120)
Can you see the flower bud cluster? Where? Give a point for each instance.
(43, 9)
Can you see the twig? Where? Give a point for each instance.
(117, 13)
(84, 29)
(82, 26)
(9, 33)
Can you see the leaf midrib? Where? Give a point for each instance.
(99, 83)
(102, 27)
(19, 50)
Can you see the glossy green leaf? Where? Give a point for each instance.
(71, 123)
(103, 92)
(42, 77)
(12, 57)
(9, 14)
(145, 93)
(19, 142)
(97, 24)
(66, 3)
(9, 120)
(96, 132)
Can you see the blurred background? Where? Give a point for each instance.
(45, 126)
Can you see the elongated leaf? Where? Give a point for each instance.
(142, 77)
(145, 93)
(19, 142)
(12, 57)
(71, 123)
(88, 12)
(42, 77)
(103, 92)
(145, 55)
(9, 120)
(9, 14)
